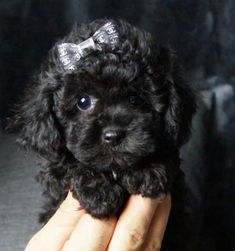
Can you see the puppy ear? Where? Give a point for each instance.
(182, 105)
(181, 101)
(36, 119)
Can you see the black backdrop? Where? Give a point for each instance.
(203, 34)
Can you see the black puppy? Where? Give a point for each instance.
(108, 116)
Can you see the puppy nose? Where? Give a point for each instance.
(113, 135)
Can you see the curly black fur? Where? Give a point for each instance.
(139, 91)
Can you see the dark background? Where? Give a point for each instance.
(203, 34)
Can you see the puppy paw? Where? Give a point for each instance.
(98, 195)
(148, 182)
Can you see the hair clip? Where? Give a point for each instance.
(70, 54)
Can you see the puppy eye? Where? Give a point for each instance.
(85, 102)
(134, 99)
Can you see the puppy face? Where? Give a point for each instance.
(107, 120)
(115, 108)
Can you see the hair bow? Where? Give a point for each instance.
(70, 54)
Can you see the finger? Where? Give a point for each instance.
(58, 229)
(91, 234)
(158, 226)
(133, 224)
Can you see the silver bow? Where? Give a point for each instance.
(70, 54)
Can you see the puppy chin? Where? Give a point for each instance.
(106, 162)
(113, 159)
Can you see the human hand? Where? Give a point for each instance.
(141, 226)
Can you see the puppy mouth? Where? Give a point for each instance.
(117, 156)
(115, 149)
(124, 155)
